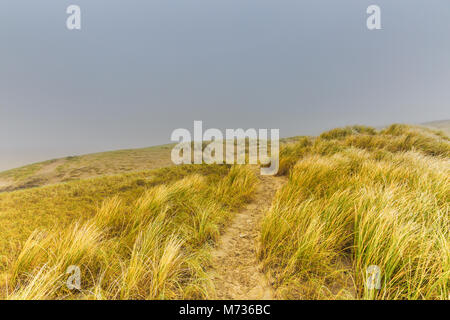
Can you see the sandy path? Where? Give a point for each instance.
(235, 268)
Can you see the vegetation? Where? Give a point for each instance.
(86, 166)
(147, 240)
(356, 198)
(75, 168)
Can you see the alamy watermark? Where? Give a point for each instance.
(373, 277)
(74, 280)
(73, 21)
(230, 148)
(374, 20)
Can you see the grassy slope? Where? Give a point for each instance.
(47, 207)
(89, 166)
(443, 125)
(85, 166)
(56, 207)
(106, 163)
(140, 235)
(356, 198)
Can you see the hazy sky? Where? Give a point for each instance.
(140, 69)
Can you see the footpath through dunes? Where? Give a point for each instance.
(235, 268)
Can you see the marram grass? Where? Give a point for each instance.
(157, 247)
(356, 198)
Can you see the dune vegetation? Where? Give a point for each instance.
(149, 239)
(85, 166)
(359, 201)
(363, 214)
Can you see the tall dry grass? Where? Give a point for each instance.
(155, 248)
(357, 199)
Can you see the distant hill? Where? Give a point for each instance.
(108, 163)
(443, 125)
(91, 165)
(85, 166)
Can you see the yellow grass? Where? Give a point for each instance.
(357, 198)
(86, 166)
(151, 243)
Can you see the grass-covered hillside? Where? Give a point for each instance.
(358, 198)
(81, 167)
(73, 168)
(133, 236)
(442, 125)
(85, 166)
(355, 199)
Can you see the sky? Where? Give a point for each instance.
(137, 70)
